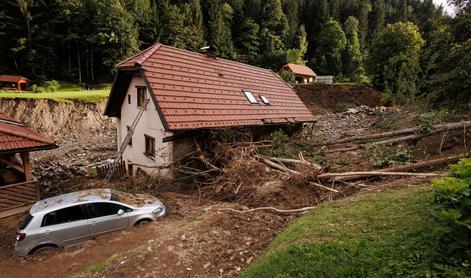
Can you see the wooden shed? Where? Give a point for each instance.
(18, 188)
(14, 83)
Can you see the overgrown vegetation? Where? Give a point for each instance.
(386, 234)
(384, 155)
(452, 208)
(409, 48)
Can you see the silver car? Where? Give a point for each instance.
(71, 219)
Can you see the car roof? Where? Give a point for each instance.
(66, 200)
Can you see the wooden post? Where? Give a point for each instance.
(27, 166)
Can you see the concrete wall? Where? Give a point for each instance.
(150, 124)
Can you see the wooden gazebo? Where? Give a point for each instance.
(18, 188)
(14, 83)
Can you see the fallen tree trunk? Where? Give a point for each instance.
(423, 164)
(323, 187)
(436, 129)
(375, 173)
(289, 160)
(278, 166)
(268, 208)
(413, 166)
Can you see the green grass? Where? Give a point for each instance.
(67, 94)
(387, 234)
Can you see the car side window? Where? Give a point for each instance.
(65, 215)
(104, 209)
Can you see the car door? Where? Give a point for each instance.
(67, 226)
(104, 217)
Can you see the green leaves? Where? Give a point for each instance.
(452, 207)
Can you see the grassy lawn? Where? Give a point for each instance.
(387, 234)
(64, 94)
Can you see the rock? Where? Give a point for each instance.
(206, 265)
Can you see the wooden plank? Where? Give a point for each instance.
(14, 211)
(27, 166)
(26, 190)
(19, 191)
(19, 184)
(15, 197)
(9, 202)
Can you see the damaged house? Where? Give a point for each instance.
(163, 95)
(18, 188)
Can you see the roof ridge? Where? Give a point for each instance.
(150, 53)
(140, 53)
(219, 58)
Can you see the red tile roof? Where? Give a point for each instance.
(11, 78)
(194, 90)
(300, 70)
(16, 137)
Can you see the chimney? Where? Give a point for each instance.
(209, 50)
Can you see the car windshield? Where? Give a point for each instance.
(131, 199)
(24, 223)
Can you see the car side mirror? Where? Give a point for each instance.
(121, 212)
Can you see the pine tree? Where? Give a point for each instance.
(352, 65)
(335, 9)
(291, 10)
(296, 55)
(219, 32)
(328, 58)
(273, 34)
(116, 32)
(193, 30)
(248, 42)
(364, 10)
(377, 19)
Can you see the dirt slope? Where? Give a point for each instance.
(52, 117)
(324, 98)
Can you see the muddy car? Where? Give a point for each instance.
(71, 219)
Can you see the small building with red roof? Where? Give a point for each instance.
(189, 92)
(18, 188)
(14, 83)
(303, 74)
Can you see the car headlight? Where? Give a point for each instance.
(157, 210)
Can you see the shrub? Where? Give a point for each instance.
(281, 145)
(452, 208)
(383, 155)
(427, 120)
(38, 89)
(287, 76)
(52, 85)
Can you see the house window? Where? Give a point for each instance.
(250, 97)
(129, 99)
(141, 96)
(265, 100)
(130, 140)
(150, 145)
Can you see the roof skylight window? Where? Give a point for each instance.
(265, 100)
(250, 97)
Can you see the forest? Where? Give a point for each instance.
(409, 49)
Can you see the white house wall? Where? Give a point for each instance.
(150, 124)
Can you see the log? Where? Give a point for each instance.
(278, 166)
(268, 208)
(436, 129)
(343, 149)
(324, 187)
(289, 160)
(376, 173)
(423, 164)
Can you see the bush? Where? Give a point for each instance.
(38, 89)
(383, 155)
(287, 76)
(281, 145)
(52, 85)
(452, 208)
